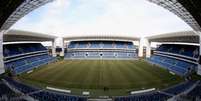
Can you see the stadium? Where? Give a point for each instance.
(100, 67)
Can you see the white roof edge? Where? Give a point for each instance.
(101, 37)
(173, 34)
(29, 33)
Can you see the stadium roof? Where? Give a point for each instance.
(184, 37)
(12, 10)
(102, 37)
(188, 10)
(18, 35)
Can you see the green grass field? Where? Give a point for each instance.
(93, 75)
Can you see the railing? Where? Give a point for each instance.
(24, 57)
(179, 55)
(24, 54)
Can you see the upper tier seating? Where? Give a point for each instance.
(186, 50)
(43, 95)
(72, 45)
(101, 44)
(121, 45)
(130, 45)
(178, 66)
(94, 44)
(105, 50)
(108, 44)
(16, 49)
(82, 44)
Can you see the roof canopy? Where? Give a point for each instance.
(12, 10)
(18, 35)
(101, 37)
(7, 7)
(188, 10)
(184, 37)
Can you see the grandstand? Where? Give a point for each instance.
(195, 92)
(181, 59)
(42, 95)
(6, 92)
(23, 57)
(101, 47)
(178, 58)
(158, 95)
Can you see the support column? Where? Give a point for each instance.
(148, 48)
(54, 48)
(62, 47)
(2, 69)
(199, 64)
(140, 48)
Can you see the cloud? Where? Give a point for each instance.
(89, 17)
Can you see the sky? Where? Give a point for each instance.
(137, 18)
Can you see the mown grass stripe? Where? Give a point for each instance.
(93, 75)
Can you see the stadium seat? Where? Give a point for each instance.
(22, 48)
(196, 92)
(163, 95)
(155, 96)
(177, 89)
(185, 50)
(179, 67)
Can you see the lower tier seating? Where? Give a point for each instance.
(177, 89)
(26, 64)
(186, 50)
(43, 95)
(5, 91)
(163, 95)
(156, 96)
(177, 66)
(196, 92)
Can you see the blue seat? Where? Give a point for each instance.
(26, 64)
(21, 48)
(180, 67)
(43, 95)
(185, 50)
(179, 88)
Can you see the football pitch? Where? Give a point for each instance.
(118, 76)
